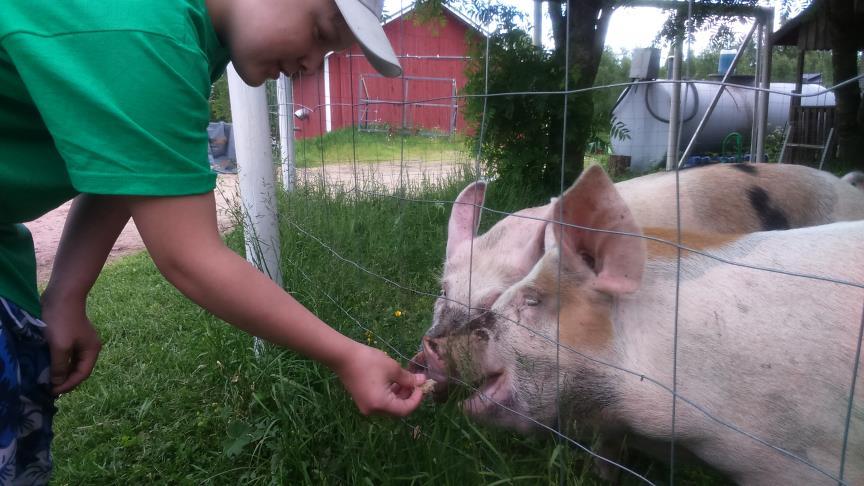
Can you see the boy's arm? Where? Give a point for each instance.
(182, 237)
(91, 228)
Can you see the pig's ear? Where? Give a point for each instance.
(593, 202)
(465, 216)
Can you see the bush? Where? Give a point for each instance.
(522, 138)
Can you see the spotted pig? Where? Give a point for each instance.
(763, 363)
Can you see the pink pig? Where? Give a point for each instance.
(769, 354)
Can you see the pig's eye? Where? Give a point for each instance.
(443, 293)
(487, 303)
(531, 301)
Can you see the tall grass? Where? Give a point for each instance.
(178, 397)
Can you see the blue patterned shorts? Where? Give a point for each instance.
(26, 404)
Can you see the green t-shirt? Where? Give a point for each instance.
(103, 98)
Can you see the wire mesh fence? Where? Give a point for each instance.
(743, 350)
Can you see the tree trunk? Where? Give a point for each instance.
(588, 23)
(842, 29)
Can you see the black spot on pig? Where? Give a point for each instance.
(453, 316)
(486, 320)
(745, 168)
(772, 217)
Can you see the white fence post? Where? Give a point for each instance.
(251, 130)
(285, 99)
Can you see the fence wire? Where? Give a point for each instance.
(643, 377)
(401, 195)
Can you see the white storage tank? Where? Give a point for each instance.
(640, 118)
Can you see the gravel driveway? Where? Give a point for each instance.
(48, 228)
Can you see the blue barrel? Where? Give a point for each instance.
(726, 57)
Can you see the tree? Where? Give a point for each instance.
(785, 60)
(531, 153)
(521, 135)
(220, 104)
(579, 37)
(613, 69)
(844, 30)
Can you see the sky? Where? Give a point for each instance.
(628, 29)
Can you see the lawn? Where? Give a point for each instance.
(179, 397)
(348, 146)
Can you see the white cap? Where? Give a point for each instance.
(364, 19)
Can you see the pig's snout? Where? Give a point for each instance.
(417, 364)
(430, 362)
(433, 349)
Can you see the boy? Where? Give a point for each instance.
(106, 102)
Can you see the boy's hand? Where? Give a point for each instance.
(378, 384)
(73, 342)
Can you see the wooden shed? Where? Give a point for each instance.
(434, 56)
(809, 29)
(811, 132)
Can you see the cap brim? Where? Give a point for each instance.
(370, 35)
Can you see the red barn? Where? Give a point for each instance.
(348, 90)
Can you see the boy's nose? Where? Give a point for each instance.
(312, 62)
(311, 68)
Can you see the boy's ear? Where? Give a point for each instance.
(465, 215)
(592, 202)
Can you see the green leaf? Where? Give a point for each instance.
(239, 435)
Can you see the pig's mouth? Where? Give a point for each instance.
(495, 390)
(441, 391)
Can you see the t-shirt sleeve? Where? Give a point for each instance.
(128, 111)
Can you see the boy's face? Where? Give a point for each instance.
(268, 37)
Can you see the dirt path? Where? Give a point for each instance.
(47, 229)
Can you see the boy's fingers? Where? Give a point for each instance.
(84, 364)
(403, 407)
(59, 365)
(400, 391)
(409, 380)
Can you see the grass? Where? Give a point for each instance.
(178, 397)
(344, 146)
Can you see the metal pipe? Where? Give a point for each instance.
(764, 83)
(409, 56)
(716, 98)
(785, 141)
(754, 124)
(727, 10)
(538, 23)
(674, 107)
(285, 99)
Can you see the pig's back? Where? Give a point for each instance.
(784, 345)
(743, 198)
